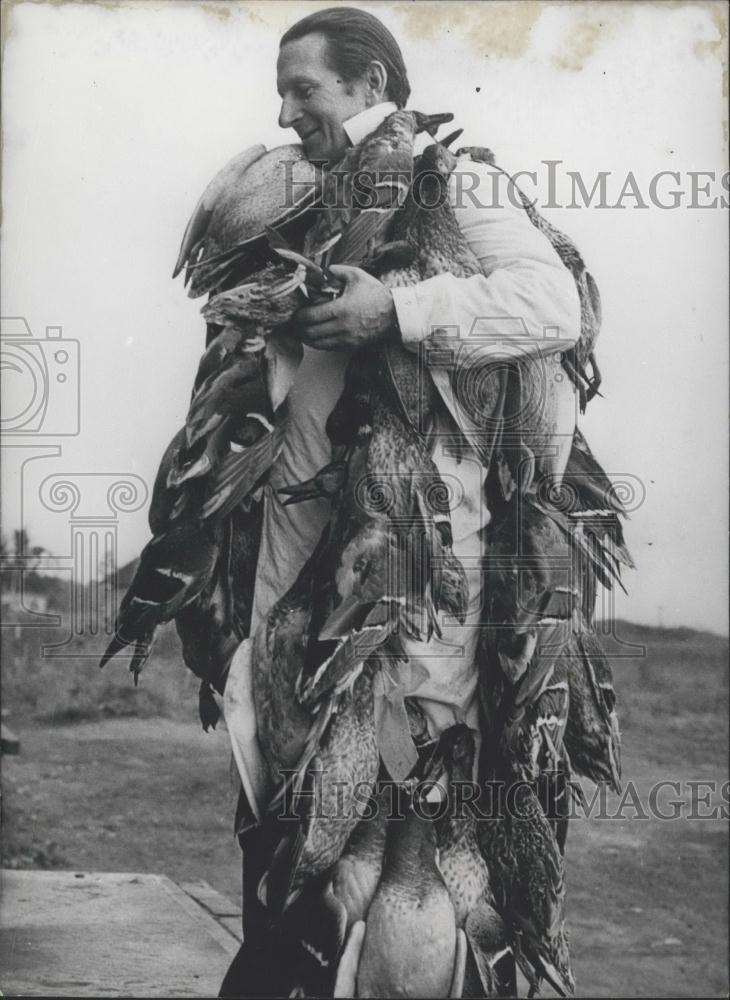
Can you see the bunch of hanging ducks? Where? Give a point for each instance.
(370, 892)
(205, 511)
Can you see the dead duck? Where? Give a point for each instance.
(346, 232)
(247, 195)
(316, 927)
(465, 871)
(427, 223)
(356, 874)
(389, 564)
(220, 414)
(166, 502)
(391, 461)
(329, 790)
(233, 401)
(330, 755)
(195, 490)
(237, 207)
(320, 923)
(578, 358)
(209, 643)
(532, 603)
(222, 454)
(174, 569)
(365, 191)
(595, 513)
(271, 297)
(592, 735)
(278, 651)
(232, 244)
(434, 245)
(526, 865)
(197, 572)
(409, 945)
(549, 548)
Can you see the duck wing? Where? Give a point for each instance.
(227, 238)
(198, 226)
(241, 472)
(592, 735)
(165, 502)
(527, 867)
(174, 568)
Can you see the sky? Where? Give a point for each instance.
(115, 117)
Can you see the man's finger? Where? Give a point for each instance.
(313, 315)
(328, 344)
(346, 271)
(330, 328)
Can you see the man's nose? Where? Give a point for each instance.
(290, 113)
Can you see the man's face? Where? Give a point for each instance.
(315, 100)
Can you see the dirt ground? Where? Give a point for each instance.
(647, 898)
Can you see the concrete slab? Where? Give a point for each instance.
(83, 934)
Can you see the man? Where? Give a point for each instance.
(339, 74)
(334, 77)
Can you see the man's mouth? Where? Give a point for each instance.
(308, 135)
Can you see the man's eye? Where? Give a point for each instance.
(306, 92)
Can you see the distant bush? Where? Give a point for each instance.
(72, 688)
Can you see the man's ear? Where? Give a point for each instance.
(376, 78)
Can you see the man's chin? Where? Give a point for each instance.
(314, 146)
(317, 148)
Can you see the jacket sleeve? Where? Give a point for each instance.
(525, 295)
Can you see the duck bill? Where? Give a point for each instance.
(451, 137)
(431, 123)
(348, 615)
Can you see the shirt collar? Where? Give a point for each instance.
(365, 122)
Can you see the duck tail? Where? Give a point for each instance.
(141, 648)
(600, 679)
(556, 967)
(276, 890)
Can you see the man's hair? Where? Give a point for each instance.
(354, 39)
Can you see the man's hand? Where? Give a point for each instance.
(363, 314)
